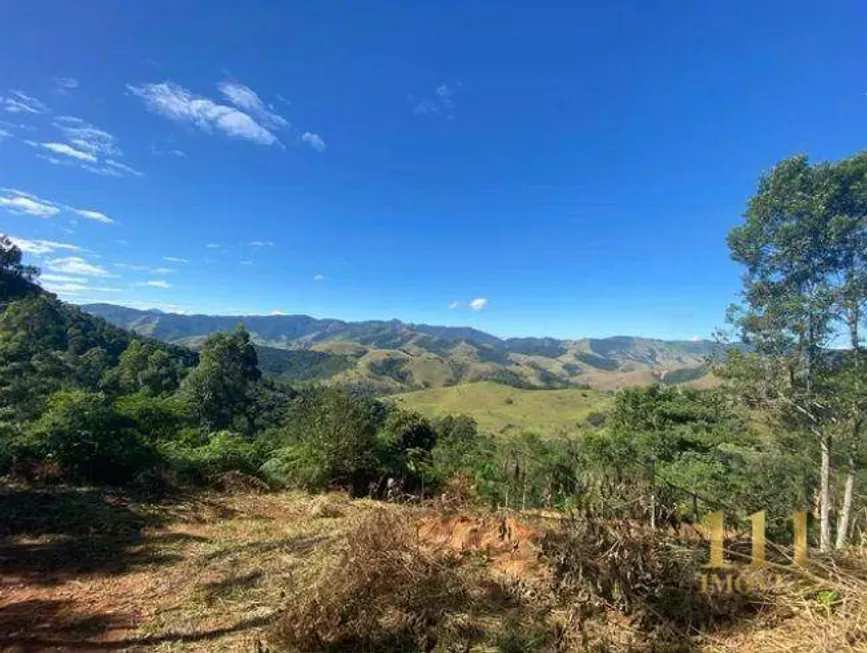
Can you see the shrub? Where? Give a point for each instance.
(90, 441)
(223, 452)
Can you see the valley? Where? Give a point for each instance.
(390, 356)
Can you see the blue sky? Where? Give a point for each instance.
(545, 168)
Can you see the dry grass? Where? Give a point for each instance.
(98, 571)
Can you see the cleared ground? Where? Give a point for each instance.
(501, 409)
(84, 569)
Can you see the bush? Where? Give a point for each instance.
(223, 452)
(89, 440)
(330, 439)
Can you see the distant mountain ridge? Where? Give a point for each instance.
(394, 356)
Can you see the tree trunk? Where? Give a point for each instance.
(846, 508)
(825, 496)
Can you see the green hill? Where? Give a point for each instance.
(390, 356)
(500, 409)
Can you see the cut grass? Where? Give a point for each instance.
(287, 571)
(501, 409)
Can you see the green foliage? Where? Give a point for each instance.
(598, 362)
(221, 452)
(219, 389)
(301, 364)
(329, 438)
(89, 439)
(685, 375)
(393, 368)
(16, 279)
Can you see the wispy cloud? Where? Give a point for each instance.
(213, 246)
(246, 99)
(441, 102)
(314, 140)
(86, 146)
(63, 85)
(21, 203)
(261, 243)
(171, 151)
(67, 150)
(86, 137)
(39, 247)
(246, 262)
(479, 303)
(175, 259)
(454, 305)
(155, 283)
(77, 266)
(94, 215)
(319, 277)
(176, 103)
(19, 102)
(163, 270)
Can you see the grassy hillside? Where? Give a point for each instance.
(393, 356)
(500, 409)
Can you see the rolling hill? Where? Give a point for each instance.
(501, 410)
(393, 356)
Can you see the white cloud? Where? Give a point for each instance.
(442, 102)
(77, 266)
(18, 102)
(86, 137)
(4, 134)
(39, 247)
(319, 277)
(213, 246)
(278, 313)
(163, 270)
(130, 266)
(22, 203)
(89, 147)
(158, 151)
(454, 305)
(314, 140)
(113, 168)
(246, 262)
(155, 283)
(261, 243)
(68, 150)
(245, 98)
(63, 85)
(177, 103)
(94, 215)
(60, 278)
(175, 259)
(478, 304)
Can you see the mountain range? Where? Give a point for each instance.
(394, 356)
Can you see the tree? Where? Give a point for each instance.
(802, 243)
(16, 279)
(89, 439)
(330, 438)
(219, 389)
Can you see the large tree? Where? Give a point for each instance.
(220, 388)
(802, 245)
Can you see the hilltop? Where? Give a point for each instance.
(395, 356)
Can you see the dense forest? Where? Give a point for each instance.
(82, 401)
